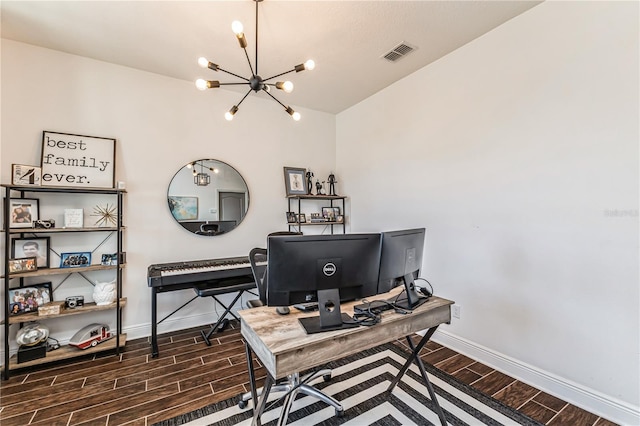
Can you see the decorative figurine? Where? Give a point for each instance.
(319, 190)
(332, 184)
(309, 181)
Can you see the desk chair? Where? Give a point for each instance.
(293, 384)
(208, 229)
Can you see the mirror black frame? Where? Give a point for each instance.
(192, 209)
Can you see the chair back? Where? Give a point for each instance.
(257, 255)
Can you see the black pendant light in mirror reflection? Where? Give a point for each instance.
(208, 197)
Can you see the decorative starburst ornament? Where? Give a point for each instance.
(106, 215)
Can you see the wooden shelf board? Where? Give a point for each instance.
(60, 230)
(88, 307)
(47, 188)
(67, 352)
(58, 271)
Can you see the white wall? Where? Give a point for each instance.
(160, 125)
(519, 154)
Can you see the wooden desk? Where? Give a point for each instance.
(284, 348)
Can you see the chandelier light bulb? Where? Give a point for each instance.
(203, 62)
(287, 86)
(296, 116)
(201, 84)
(229, 114)
(237, 27)
(309, 65)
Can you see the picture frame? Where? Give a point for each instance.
(23, 212)
(302, 218)
(73, 160)
(340, 219)
(183, 208)
(295, 182)
(330, 213)
(75, 259)
(291, 217)
(25, 300)
(109, 259)
(25, 264)
(22, 174)
(36, 247)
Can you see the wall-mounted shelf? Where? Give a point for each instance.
(331, 198)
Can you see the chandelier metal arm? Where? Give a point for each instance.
(243, 98)
(249, 61)
(257, 1)
(233, 74)
(275, 99)
(278, 75)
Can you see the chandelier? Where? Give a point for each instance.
(201, 178)
(255, 82)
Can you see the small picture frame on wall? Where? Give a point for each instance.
(22, 174)
(23, 212)
(94, 168)
(295, 181)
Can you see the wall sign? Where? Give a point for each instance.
(77, 160)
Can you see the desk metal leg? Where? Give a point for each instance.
(257, 411)
(252, 374)
(415, 356)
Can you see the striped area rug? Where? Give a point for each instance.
(359, 383)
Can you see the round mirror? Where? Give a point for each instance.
(208, 197)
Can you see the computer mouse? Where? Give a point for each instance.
(282, 310)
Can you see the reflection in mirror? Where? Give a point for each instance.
(208, 197)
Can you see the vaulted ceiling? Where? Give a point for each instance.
(346, 39)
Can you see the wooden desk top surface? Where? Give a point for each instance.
(283, 346)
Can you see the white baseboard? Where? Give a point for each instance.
(588, 399)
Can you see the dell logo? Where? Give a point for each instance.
(329, 269)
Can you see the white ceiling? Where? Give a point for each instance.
(345, 38)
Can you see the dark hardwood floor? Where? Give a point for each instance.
(135, 389)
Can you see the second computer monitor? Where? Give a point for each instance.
(400, 263)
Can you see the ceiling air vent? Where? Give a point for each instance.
(400, 51)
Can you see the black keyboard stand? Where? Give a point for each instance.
(206, 291)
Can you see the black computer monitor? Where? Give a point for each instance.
(328, 269)
(400, 262)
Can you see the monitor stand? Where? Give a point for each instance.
(409, 299)
(330, 317)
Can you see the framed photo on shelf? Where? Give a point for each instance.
(23, 212)
(75, 260)
(97, 171)
(330, 213)
(295, 181)
(37, 247)
(25, 175)
(291, 217)
(302, 218)
(25, 264)
(23, 300)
